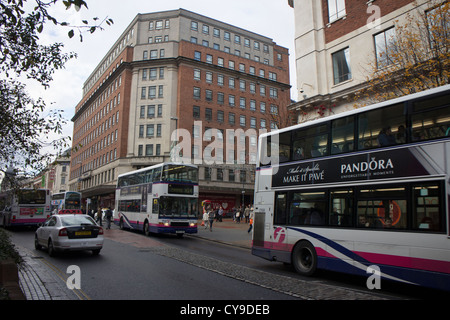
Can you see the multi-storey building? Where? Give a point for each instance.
(178, 69)
(337, 43)
(55, 177)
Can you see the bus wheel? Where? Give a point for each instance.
(146, 228)
(304, 258)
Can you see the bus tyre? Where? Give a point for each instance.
(146, 228)
(304, 258)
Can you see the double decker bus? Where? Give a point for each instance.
(158, 199)
(367, 187)
(25, 207)
(69, 200)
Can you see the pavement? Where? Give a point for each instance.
(40, 280)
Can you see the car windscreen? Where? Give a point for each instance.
(76, 220)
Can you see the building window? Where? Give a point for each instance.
(384, 43)
(231, 176)
(336, 10)
(242, 121)
(149, 150)
(231, 100)
(196, 93)
(231, 118)
(208, 114)
(150, 130)
(158, 130)
(220, 116)
(341, 66)
(151, 111)
(196, 112)
(152, 92)
(194, 25)
(208, 95)
(220, 79)
(197, 74)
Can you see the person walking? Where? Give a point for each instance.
(247, 213)
(211, 215)
(251, 219)
(99, 217)
(108, 218)
(205, 219)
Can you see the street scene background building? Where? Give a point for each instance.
(179, 70)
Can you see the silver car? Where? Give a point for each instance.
(69, 232)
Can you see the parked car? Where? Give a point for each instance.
(69, 232)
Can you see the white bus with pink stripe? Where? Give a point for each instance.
(158, 199)
(367, 187)
(24, 207)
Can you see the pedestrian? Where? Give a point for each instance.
(239, 214)
(220, 213)
(99, 216)
(205, 218)
(247, 213)
(251, 219)
(108, 218)
(211, 214)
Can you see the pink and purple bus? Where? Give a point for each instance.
(367, 187)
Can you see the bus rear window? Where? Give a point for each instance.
(32, 196)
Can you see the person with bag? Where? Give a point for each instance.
(205, 219)
(251, 218)
(211, 215)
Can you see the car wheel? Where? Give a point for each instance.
(304, 258)
(96, 252)
(37, 246)
(51, 249)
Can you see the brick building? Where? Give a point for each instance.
(178, 69)
(336, 41)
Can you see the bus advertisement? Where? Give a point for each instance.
(26, 207)
(367, 187)
(158, 199)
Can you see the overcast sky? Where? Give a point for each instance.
(271, 18)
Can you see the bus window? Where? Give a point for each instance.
(284, 147)
(382, 127)
(383, 208)
(310, 142)
(307, 208)
(427, 208)
(341, 208)
(431, 124)
(280, 209)
(343, 135)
